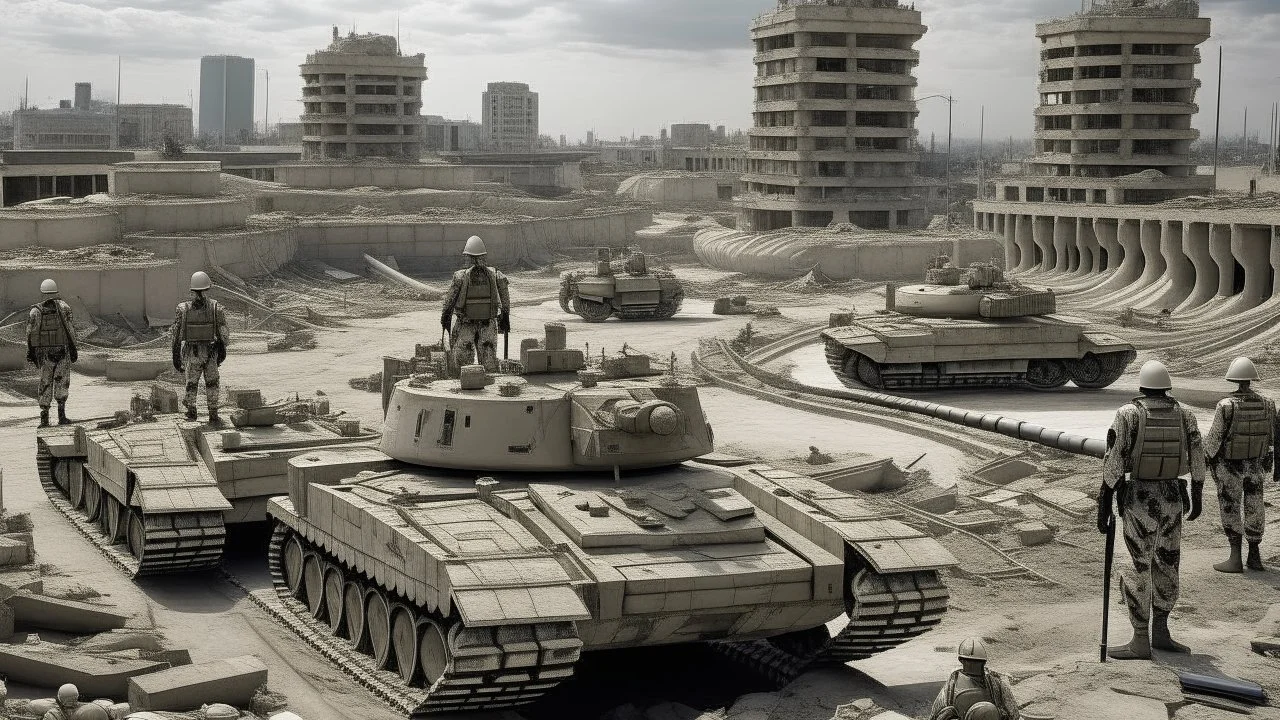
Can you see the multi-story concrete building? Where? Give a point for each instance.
(510, 116)
(147, 125)
(63, 129)
(1117, 94)
(84, 96)
(444, 135)
(834, 121)
(362, 98)
(226, 96)
(691, 135)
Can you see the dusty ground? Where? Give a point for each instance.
(1044, 634)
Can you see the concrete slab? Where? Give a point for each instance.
(40, 611)
(232, 681)
(1107, 704)
(49, 665)
(14, 552)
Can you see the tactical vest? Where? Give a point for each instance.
(1160, 448)
(200, 324)
(967, 692)
(52, 332)
(479, 300)
(1249, 436)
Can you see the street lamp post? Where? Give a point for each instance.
(950, 101)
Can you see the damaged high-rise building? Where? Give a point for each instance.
(833, 137)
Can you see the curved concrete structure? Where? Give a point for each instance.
(54, 227)
(187, 179)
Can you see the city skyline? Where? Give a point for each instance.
(616, 68)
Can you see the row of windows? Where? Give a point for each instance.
(836, 118)
(834, 39)
(833, 65)
(1103, 50)
(1111, 72)
(831, 91)
(1138, 95)
(1139, 147)
(1114, 122)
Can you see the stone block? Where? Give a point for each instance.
(73, 616)
(1033, 533)
(541, 361)
(624, 366)
(349, 427)
(511, 367)
(473, 377)
(511, 387)
(232, 681)
(841, 319)
(245, 399)
(175, 658)
(23, 537)
(557, 336)
(589, 378)
(93, 675)
(14, 552)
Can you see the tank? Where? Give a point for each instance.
(626, 288)
(157, 491)
(507, 524)
(973, 328)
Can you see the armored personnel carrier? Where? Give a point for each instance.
(509, 523)
(972, 327)
(157, 491)
(626, 288)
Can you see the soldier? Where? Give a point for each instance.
(973, 692)
(51, 346)
(478, 297)
(1241, 451)
(68, 702)
(200, 336)
(1155, 441)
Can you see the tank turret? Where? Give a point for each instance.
(972, 327)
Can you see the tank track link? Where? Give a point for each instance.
(888, 611)
(836, 354)
(491, 668)
(172, 543)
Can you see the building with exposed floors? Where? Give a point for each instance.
(509, 116)
(63, 129)
(833, 136)
(362, 98)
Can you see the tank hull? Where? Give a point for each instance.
(688, 553)
(596, 298)
(1043, 352)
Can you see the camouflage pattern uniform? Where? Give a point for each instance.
(1240, 481)
(51, 337)
(475, 328)
(995, 687)
(198, 328)
(1152, 513)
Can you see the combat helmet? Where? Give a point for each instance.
(973, 649)
(49, 287)
(1154, 376)
(1242, 370)
(200, 281)
(474, 247)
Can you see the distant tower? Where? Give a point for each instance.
(84, 96)
(510, 116)
(226, 96)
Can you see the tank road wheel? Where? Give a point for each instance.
(92, 500)
(333, 597)
(136, 535)
(292, 565)
(592, 311)
(353, 613)
(1093, 372)
(313, 583)
(1046, 374)
(377, 614)
(864, 370)
(404, 641)
(116, 521)
(433, 650)
(76, 493)
(669, 305)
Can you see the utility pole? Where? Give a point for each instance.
(1246, 134)
(119, 79)
(949, 104)
(1217, 129)
(266, 106)
(982, 137)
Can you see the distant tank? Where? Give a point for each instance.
(164, 488)
(973, 328)
(626, 288)
(509, 523)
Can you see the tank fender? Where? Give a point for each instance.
(502, 591)
(1101, 342)
(869, 346)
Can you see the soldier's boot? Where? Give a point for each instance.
(62, 412)
(213, 417)
(44, 417)
(1139, 648)
(1255, 555)
(191, 413)
(1231, 564)
(1160, 638)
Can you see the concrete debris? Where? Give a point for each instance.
(1033, 533)
(47, 665)
(31, 610)
(14, 551)
(233, 681)
(1107, 704)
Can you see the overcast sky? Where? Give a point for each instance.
(615, 66)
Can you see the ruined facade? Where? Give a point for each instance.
(509, 113)
(833, 137)
(362, 98)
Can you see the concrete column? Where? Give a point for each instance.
(1105, 231)
(1220, 251)
(1275, 262)
(1180, 272)
(1042, 236)
(1149, 242)
(1131, 267)
(1195, 243)
(1012, 252)
(1251, 246)
(1064, 237)
(1087, 241)
(1025, 242)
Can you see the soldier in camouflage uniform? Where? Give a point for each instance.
(1241, 452)
(1155, 441)
(975, 692)
(477, 298)
(51, 346)
(200, 336)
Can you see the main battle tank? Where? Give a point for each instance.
(509, 523)
(165, 488)
(626, 288)
(972, 327)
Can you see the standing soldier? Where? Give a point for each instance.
(478, 297)
(1155, 441)
(1241, 451)
(200, 336)
(51, 346)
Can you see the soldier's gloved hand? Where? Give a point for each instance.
(221, 351)
(1197, 500)
(446, 320)
(504, 321)
(75, 354)
(31, 356)
(1105, 519)
(177, 358)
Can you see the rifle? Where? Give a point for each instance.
(506, 341)
(1108, 557)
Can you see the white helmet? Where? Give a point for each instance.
(49, 287)
(973, 649)
(1154, 376)
(475, 247)
(1242, 369)
(200, 281)
(68, 694)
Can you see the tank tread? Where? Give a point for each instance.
(490, 675)
(638, 312)
(836, 355)
(168, 549)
